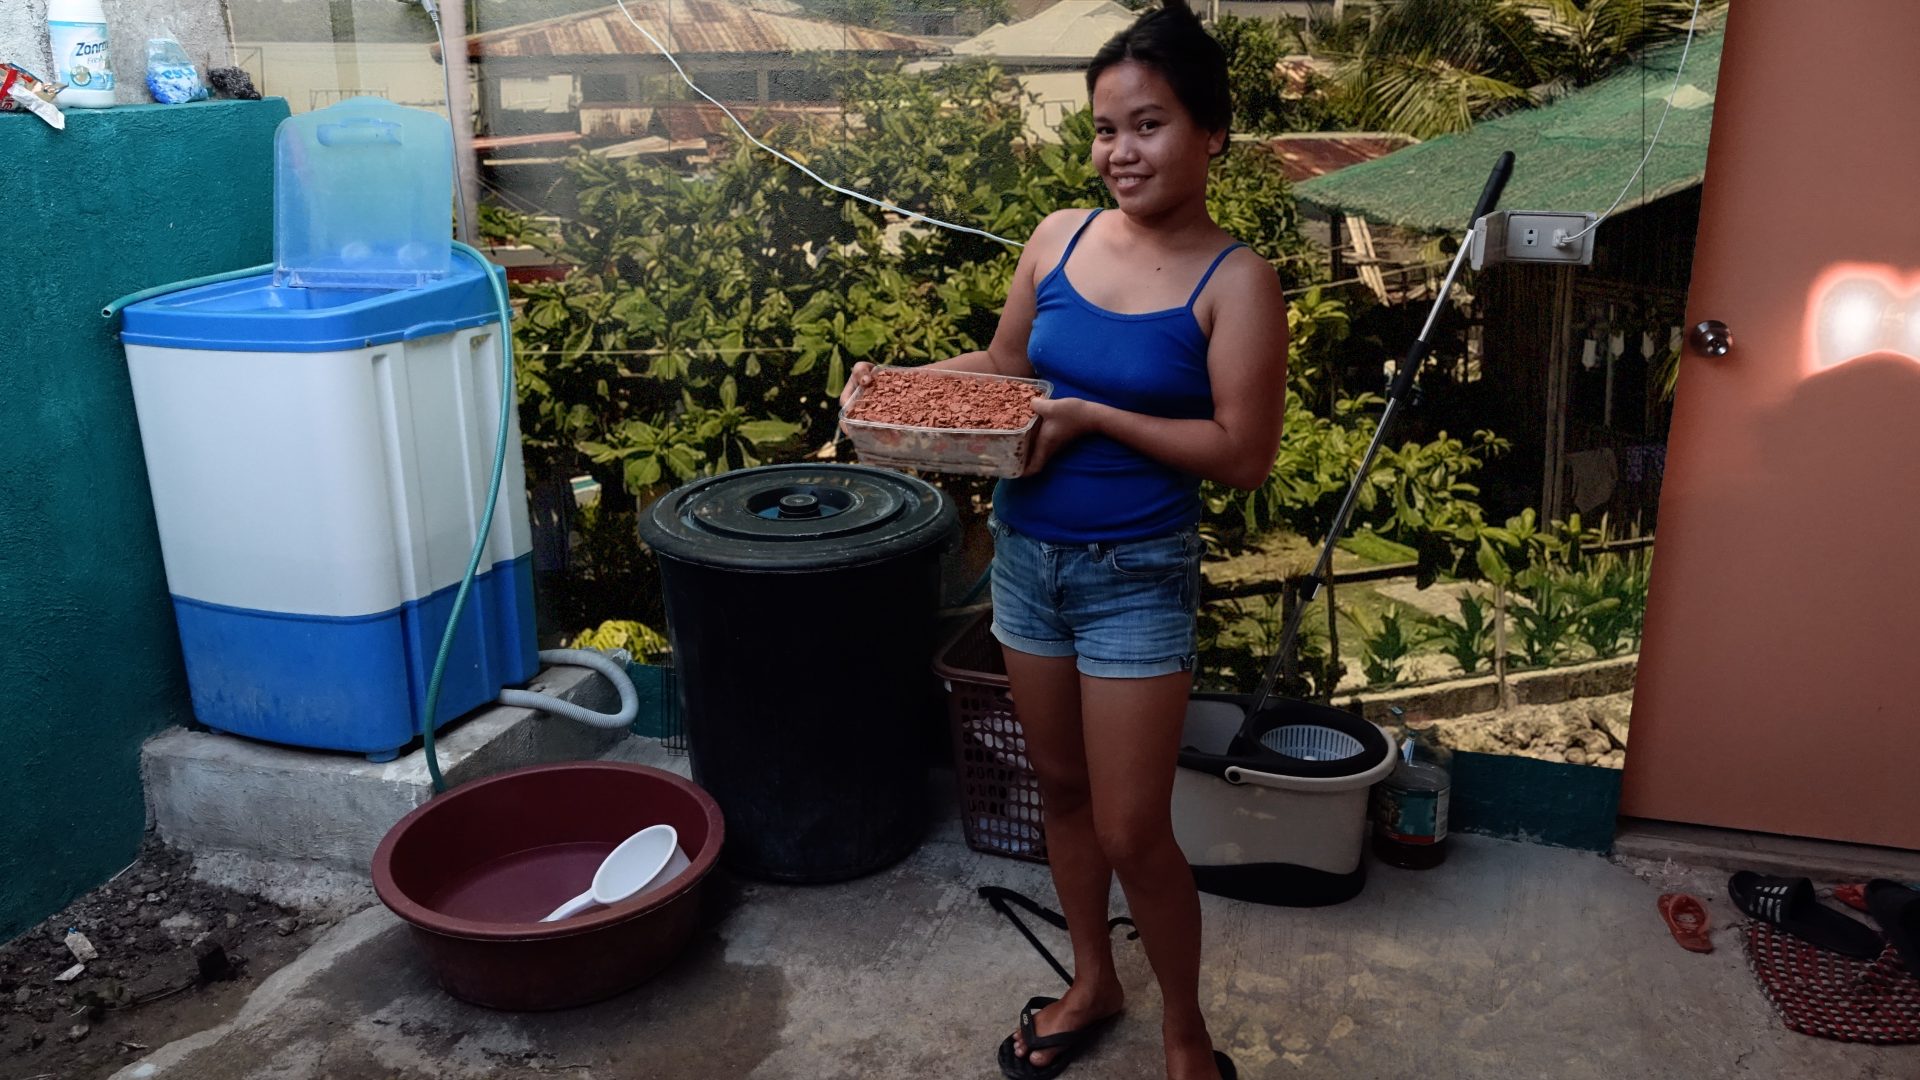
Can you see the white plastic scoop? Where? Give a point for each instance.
(649, 857)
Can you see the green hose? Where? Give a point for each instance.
(113, 309)
(486, 519)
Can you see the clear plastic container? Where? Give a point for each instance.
(960, 451)
(362, 197)
(1410, 806)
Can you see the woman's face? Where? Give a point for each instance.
(1146, 146)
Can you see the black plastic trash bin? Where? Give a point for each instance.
(801, 602)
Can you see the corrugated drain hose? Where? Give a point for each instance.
(587, 658)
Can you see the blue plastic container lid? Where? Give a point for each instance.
(252, 314)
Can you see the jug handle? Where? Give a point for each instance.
(360, 131)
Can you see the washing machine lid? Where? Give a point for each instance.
(798, 518)
(252, 314)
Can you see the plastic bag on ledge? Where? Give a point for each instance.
(171, 76)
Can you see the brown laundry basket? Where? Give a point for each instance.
(999, 794)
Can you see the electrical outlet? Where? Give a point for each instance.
(1535, 236)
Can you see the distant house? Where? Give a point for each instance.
(740, 53)
(1048, 54)
(1062, 37)
(1569, 356)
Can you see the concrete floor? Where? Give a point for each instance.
(1510, 961)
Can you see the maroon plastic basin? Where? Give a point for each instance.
(474, 870)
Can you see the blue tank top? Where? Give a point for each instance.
(1099, 490)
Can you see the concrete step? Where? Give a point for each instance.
(300, 826)
(1824, 861)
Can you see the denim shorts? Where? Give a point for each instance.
(1123, 610)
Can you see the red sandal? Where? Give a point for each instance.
(1686, 917)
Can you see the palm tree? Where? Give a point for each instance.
(1585, 40)
(1430, 67)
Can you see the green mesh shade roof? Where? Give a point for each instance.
(1574, 154)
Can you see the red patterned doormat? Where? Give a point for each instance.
(1832, 996)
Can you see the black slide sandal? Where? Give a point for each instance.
(1225, 1064)
(1897, 909)
(1065, 1045)
(1789, 903)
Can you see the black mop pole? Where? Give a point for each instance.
(1396, 397)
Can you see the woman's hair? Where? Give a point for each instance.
(1171, 41)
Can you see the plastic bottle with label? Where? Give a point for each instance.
(82, 58)
(1410, 805)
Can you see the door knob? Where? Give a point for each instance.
(1711, 338)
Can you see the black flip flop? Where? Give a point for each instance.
(1066, 1045)
(1789, 903)
(1225, 1064)
(1897, 909)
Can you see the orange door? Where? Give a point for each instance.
(1779, 682)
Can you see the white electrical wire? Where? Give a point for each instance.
(817, 178)
(1563, 240)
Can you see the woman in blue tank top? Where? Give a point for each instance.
(1166, 343)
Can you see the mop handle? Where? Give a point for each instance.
(1496, 184)
(1402, 383)
(1422, 345)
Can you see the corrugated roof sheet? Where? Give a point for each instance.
(1573, 154)
(1070, 31)
(689, 28)
(1306, 154)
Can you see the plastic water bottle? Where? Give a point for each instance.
(1410, 805)
(81, 56)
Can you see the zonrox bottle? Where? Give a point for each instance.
(82, 58)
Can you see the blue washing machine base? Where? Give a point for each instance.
(357, 683)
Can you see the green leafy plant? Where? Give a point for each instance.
(1523, 544)
(1419, 494)
(1604, 589)
(1238, 638)
(708, 322)
(1389, 640)
(1468, 640)
(1549, 619)
(1254, 49)
(1634, 587)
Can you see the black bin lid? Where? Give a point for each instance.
(789, 518)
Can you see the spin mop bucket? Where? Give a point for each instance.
(1283, 821)
(1270, 800)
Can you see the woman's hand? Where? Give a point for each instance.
(861, 375)
(1062, 420)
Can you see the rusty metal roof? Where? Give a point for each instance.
(1307, 154)
(689, 28)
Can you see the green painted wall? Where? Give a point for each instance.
(122, 199)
